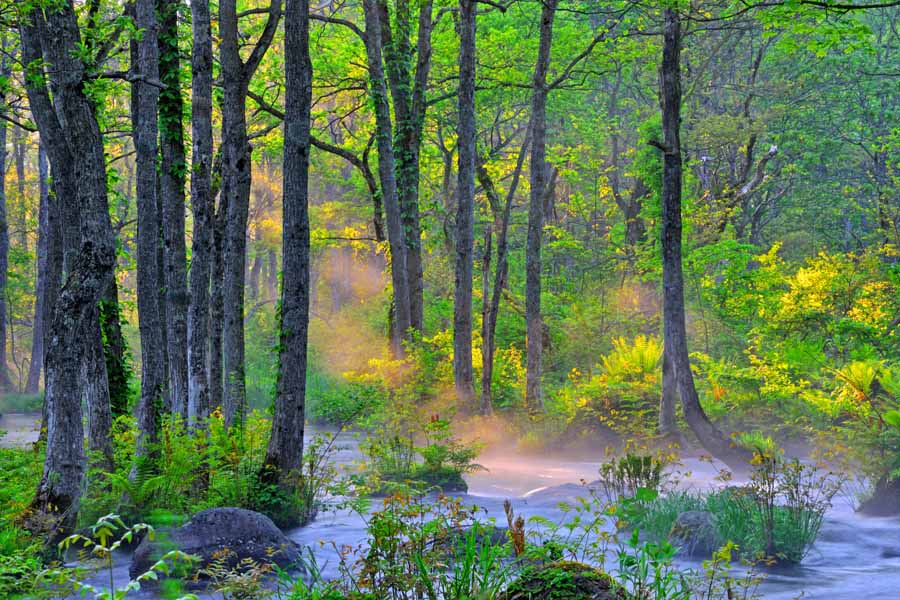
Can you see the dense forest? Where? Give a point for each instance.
(238, 238)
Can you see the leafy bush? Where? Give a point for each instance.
(622, 395)
(438, 460)
(776, 517)
(622, 477)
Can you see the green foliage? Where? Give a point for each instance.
(776, 517)
(622, 395)
(107, 536)
(625, 476)
(407, 452)
(192, 471)
(20, 554)
(20, 403)
(564, 581)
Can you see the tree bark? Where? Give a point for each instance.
(65, 239)
(217, 308)
(668, 399)
(533, 318)
(675, 333)
(172, 179)
(6, 384)
(402, 318)
(115, 350)
(236, 175)
(408, 92)
(203, 208)
(49, 268)
(465, 207)
(150, 323)
(285, 450)
(95, 389)
(59, 491)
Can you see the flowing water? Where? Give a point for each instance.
(855, 557)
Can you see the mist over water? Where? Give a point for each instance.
(855, 557)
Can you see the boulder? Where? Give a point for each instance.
(885, 501)
(229, 534)
(564, 581)
(694, 532)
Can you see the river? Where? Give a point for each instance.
(854, 558)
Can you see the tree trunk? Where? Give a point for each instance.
(95, 389)
(6, 384)
(533, 318)
(675, 333)
(115, 350)
(59, 491)
(271, 275)
(396, 238)
(285, 451)
(408, 92)
(236, 178)
(217, 309)
(485, 408)
(465, 207)
(489, 327)
(49, 267)
(203, 209)
(172, 174)
(668, 399)
(19, 151)
(63, 210)
(144, 117)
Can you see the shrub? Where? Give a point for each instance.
(776, 517)
(21, 403)
(192, 471)
(622, 395)
(20, 554)
(402, 450)
(622, 477)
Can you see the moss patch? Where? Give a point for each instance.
(564, 581)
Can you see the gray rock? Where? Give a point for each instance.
(233, 533)
(694, 532)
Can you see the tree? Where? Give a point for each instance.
(236, 178)
(408, 91)
(59, 491)
(462, 306)
(5, 382)
(402, 315)
(144, 109)
(533, 319)
(492, 308)
(171, 198)
(285, 451)
(674, 330)
(49, 271)
(203, 208)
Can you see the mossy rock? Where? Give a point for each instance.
(694, 532)
(885, 502)
(448, 481)
(564, 581)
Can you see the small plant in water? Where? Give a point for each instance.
(109, 534)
